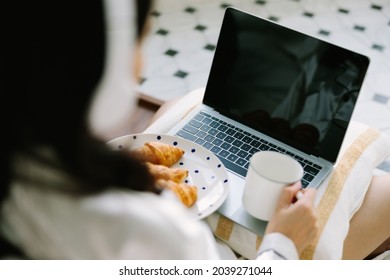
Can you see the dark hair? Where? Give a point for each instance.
(59, 68)
(143, 9)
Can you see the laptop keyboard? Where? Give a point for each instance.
(234, 146)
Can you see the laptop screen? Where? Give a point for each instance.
(294, 87)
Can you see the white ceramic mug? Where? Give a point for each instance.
(268, 173)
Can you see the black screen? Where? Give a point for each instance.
(294, 87)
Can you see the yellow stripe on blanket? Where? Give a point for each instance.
(224, 228)
(337, 182)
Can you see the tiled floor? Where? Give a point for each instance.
(180, 47)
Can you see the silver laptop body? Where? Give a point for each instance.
(273, 88)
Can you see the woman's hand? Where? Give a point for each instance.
(297, 221)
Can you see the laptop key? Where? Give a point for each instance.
(209, 138)
(304, 183)
(186, 135)
(239, 135)
(230, 131)
(201, 134)
(221, 135)
(195, 123)
(204, 114)
(213, 132)
(242, 154)
(229, 139)
(232, 158)
(237, 143)
(217, 142)
(205, 128)
(222, 127)
(308, 177)
(208, 145)
(264, 147)
(241, 162)
(214, 124)
(190, 129)
(215, 149)
(311, 170)
(317, 166)
(232, 166)
(224, 154)
(234, 150)
(200, 141)
(199, 117)
(255, 143)
(207, 121)
(247, 139)
(246, 147)
(298, 158)
(225, 146)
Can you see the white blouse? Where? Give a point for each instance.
(48, 224)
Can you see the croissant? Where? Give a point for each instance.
(187, 194)
(158, 171)
(158, 153)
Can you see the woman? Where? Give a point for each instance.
(64, 194)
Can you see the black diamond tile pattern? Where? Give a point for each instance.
(381, 98)
(343, 11)
(308, 14)
(190, 10)
(273, 18)
(181, 74)
(225, 5)
(359, 28)
(200, 27)
(210, 47)
(162, 32)
(376, 7)
(324, 32)
(378, 47)
(261, 2)
(171, 52)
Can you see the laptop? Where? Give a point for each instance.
(273, 88)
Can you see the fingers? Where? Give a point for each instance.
(308, 196)
(288, 194)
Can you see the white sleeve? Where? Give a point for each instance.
(111, 225)
(276, 246)
(147, 226)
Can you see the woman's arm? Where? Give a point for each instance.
(293, 226)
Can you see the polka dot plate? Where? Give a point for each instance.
(206, 171)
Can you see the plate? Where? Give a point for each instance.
(206, 171)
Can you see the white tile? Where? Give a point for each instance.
(165, 88)
(198, 79)
(188, 41)
(373, 114)
(194, 61)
